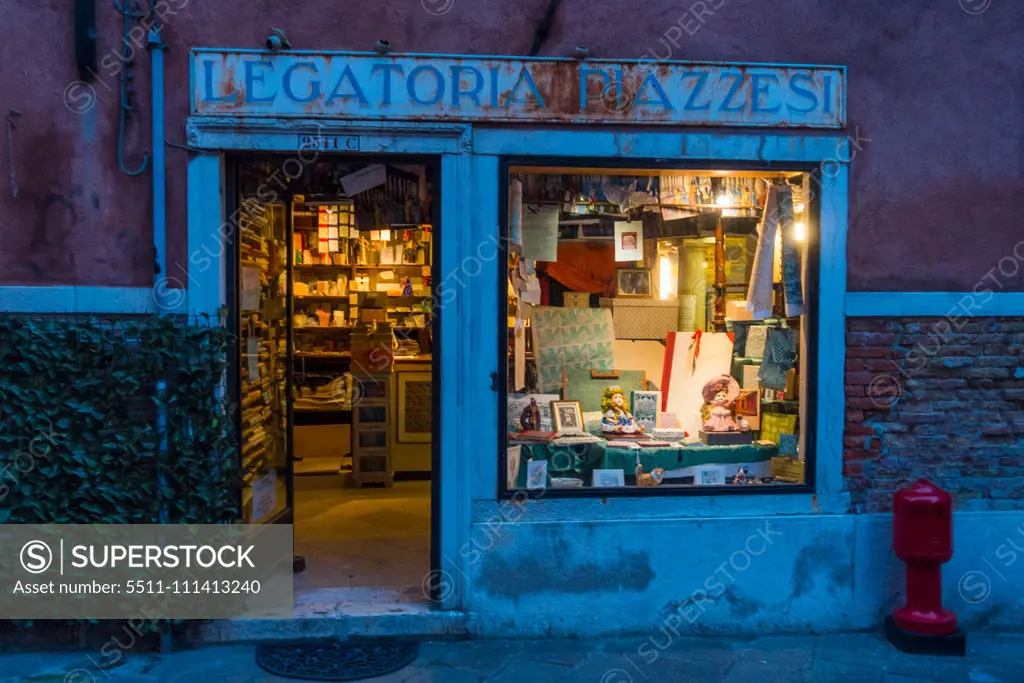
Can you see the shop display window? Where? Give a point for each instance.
(659, 330)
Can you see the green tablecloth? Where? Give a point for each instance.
(581, 460)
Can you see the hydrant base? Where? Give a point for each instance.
(931, 622)
(954, 644)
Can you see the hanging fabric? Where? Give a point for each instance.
(759, 292)
(779, 357)
(585, 267)
(791, 285)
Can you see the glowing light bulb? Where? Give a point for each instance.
(665, 279)
(799, 231)
(704, 264)
(724, 200)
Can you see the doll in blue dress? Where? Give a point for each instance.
(616, 418)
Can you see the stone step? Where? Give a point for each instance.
(339, 613)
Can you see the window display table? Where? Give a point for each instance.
(579, 461)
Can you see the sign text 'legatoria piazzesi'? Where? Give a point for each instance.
(499, 89)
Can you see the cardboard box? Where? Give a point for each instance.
(373, 315)
(725, 438)
(576, 300)
(737, 310)
(792, 385)
(788, 469)
(644, 318)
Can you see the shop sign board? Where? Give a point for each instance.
(444, 88)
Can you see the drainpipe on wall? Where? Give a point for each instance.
(156, 48)
(156, 51)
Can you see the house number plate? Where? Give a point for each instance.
(330, 143)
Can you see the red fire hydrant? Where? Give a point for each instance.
(923, 539)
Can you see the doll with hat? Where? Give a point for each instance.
(721, 392)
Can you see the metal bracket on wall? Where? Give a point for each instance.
(12, 114)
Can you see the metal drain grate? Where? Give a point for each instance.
(329, 660)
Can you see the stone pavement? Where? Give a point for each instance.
(849, 658)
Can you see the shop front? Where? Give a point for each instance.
(634, 299)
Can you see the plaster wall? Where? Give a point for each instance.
(659, 579)
(935, 109)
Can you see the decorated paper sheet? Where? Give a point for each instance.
(686, 375)
(581, 338)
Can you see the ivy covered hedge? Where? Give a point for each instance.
(85, 406)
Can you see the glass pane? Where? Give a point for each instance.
(263, 349)
(374, 414)
(655, 330)
(373, 438)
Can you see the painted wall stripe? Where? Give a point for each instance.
(71, 299)
(954, 304)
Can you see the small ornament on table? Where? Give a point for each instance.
(617, 419)
(654, 478)
(721, 393)
(741, 474)
(530, 418)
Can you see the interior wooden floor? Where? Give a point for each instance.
(362, 538)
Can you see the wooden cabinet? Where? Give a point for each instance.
(371, 430)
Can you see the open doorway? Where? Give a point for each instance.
(336, 371)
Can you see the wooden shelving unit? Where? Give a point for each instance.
(371, 436)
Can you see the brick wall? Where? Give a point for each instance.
(940, 398)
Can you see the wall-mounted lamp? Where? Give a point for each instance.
(383, 47)
(581, 53)
(277, 41)
(385, 235)
(85, 39)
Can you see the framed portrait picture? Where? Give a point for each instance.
(530, 412)
(629, 241)
(708, 476)
(415, 403)
(635, 282)
(608, 478)
(537, 474)
(567, 416)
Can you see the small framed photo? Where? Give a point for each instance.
(513, 459)
(635, 282)
(567, 416)
(604, 479)
(629, 241)
(748, 403)
(537, 474)
(708, 476)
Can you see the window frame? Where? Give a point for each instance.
(810, 322)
